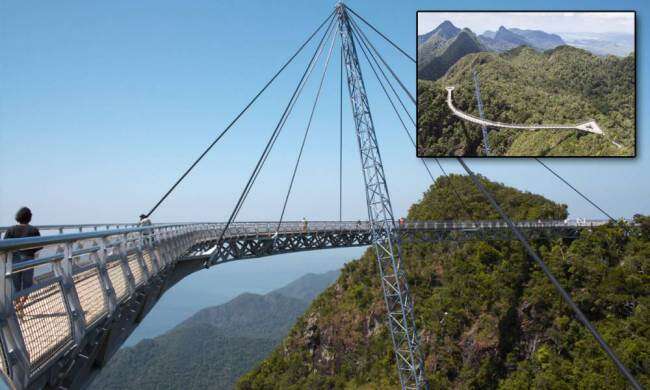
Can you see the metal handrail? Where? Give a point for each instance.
(75, 226)
(34, 242)
(244, 228)
(15, 244)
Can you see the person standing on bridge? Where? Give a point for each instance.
(145, 221)
(304, 224)
(25, 279)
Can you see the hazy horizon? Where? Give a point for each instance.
(550, 22)
(221, 283)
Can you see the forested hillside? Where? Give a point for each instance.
(565, 85)
(215, 346)
(488, 317)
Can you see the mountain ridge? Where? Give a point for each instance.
(509, 38)
(440, 48)
(216, 345)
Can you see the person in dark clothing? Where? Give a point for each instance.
(25, 279)
(145, 221)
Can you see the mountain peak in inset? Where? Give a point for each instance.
(503, 34)
(434, 63)
(446, 30)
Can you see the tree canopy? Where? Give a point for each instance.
(565, 85)
(488, 317)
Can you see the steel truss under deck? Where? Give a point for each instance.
(247, 247)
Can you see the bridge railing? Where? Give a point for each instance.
(266, 227)
(491, 224)
(248, 226)
(78, 280)
(270, 228)
(70, 228)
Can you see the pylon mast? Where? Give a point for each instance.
(401, 320)
(479, 101)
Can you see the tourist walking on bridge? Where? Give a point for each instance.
(145, 221)
(25, 279)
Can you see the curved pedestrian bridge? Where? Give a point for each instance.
(94, 283)
(590, 126)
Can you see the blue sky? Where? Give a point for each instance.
(104, 104)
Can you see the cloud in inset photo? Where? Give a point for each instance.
(552, 22)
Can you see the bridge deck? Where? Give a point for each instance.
(589, 126)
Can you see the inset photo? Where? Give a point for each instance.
(526, 84)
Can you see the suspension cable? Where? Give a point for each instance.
(458, 195)
(292, 103)
(387, 66)
(231, 124)
(283, 121)
(341, 139)
(575, 189)
(269, 144)
(380, 33)
(408, 133)
(363, 40)
(461, 199)
(565, 295)
(390, 100)
(304, 138)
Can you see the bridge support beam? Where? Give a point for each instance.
(63, 269)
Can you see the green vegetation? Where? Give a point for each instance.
(488, 317)
(565, 85)
(197, 356)
(215, 346)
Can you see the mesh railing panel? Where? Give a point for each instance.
(45, 324)
(148, 261)
(136, 270)
(164, 258)
(157, 260)
(3, 362)
(118, 279)
(91, 296)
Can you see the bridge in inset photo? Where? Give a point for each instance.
(589, 126)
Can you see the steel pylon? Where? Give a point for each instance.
(401, 320)
(479, 102)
